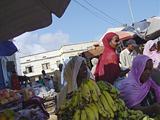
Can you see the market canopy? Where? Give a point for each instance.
(124, 33)
(148, 29)
(94, 52)
(20, 16)
(7, 48)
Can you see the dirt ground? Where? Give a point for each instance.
(51, 112)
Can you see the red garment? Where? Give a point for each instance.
(108, 65)
(15, 82)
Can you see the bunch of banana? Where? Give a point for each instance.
(102, 111)
(94, 90)
(90, 91)
(120, 105)
(105, 86)
(77, 115)
(98, 102)
(123, 114)
(89, 112)
(147, 118)
(135, 115)
(106, 106)
(73, 102)
(85, 91)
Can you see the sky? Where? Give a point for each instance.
(79, 25)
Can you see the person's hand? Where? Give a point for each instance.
(127, 70)
(124, 72)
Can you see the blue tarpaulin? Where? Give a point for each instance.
(7, 48)
(2, 84)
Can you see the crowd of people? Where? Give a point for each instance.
(135, 75)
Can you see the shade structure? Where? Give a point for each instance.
(124, 32)
(124, 35)
(19, 16)
(94, 52)
(148, 29)
(7, 48)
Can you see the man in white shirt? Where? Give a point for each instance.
(128, 54)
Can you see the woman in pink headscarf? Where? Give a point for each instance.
(139, 91)
(108, 68)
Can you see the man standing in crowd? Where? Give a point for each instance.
(47, 80)
(128, 54)
(57, 78)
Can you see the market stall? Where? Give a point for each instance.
(99, 101)
(21, 105)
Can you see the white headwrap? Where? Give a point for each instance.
(70, 73)
(147, 47)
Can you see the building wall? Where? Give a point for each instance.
(52, 57)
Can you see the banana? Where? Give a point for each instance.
(83, 115)
(93, 91)
(95, 110)
(110, 101)
(105, 86)
(101, 110)
(90, 114)
(77, 115)
(93, 85)
(106, 105)
(75, 100)
(123, 114)
(84, 89)
(120, 105)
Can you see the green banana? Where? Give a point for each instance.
(106, 105)
(101, 110)
(77, 115)
(94, 86)
(95, 110)
(75, 100)
(83, 115)
(90, 113)
(105, 86)
(93, 91)
(110, 101)
(84, 89)
(123, 114)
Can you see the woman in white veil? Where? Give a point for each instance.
(74, 72)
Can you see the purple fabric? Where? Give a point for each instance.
(131, 89)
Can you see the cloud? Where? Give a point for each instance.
(55, 40)
(32, 43)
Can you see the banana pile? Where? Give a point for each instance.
(97, 101)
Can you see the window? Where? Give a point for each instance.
(29, 69)
(45, 66)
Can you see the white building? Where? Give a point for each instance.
(32, 65)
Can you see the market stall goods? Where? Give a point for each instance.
(7, 115)
(99, 101)
(21, 105)
(7, 96)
